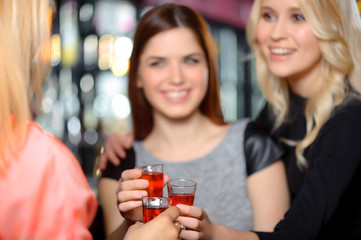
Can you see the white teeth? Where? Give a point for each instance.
(281, 51)
(176, 94)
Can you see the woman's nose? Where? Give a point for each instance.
(279, 30)
(176, 74)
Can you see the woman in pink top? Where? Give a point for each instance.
(44, 194)
(43, 191)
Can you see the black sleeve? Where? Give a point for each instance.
(337, 156)
(115, 172)
(260, 149)
(265, 119)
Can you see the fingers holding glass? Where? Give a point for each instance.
(154, 174)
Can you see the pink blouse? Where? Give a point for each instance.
(44, 194)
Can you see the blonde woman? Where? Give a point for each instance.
(308, 63)
(43, 191)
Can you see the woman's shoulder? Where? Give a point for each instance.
(344, 121)
(50, 159)
(44, 152)
(260, 149)
(42, 142)
(43, 165)
(353, 101)
(350, 108)
(240, 125)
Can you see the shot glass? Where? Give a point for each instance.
(182, 191)
(153, 206)
(154, 174)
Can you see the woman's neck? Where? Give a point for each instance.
(188, 138)
(173, 133)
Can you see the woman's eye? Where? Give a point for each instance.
(298, 17)
(191, 60)
(157, 63)
(268, 16)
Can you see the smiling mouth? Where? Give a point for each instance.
(281, 51)
(176, 94)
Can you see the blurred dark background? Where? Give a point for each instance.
(85, 98)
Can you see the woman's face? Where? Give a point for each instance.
(173, 73)
(287, 43)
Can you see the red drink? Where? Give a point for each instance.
(151, 212)
(153, 206)
(186, 199)
(155, 188)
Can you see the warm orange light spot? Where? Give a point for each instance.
(50, 18)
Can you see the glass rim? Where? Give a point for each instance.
(162, 201)
(152, 197)
(155, 168)
(191, 182)
(151, 165)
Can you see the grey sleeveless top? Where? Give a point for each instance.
(221, 178)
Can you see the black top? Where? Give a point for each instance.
(326, 202)
(260, 151)
(115, 172)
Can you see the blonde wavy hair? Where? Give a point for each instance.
(336, 24)
(24, 31)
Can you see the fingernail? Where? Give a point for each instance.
(180, 206)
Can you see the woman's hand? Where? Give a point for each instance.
(130, 191)
(199, 226)
(160, 228)
(114, 149)
(196, 222)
